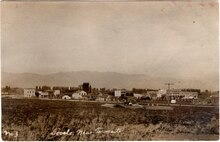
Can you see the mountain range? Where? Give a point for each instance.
(101, 80)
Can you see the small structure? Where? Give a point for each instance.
(43, 94)
(108, 98)
(66, 97)
(173, 101)
(90, 96)
(138, 96)
(29, 92)
(152, 93)
(111, 98)
(102, 97)
(99, 98)
(86, 97)
(161, 93)
(146, 97)
(100, 94)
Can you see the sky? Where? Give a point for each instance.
(165, 39)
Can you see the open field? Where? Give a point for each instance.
(33, 119)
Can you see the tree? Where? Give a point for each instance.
(6, 89)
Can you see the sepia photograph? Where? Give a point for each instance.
(96, 70)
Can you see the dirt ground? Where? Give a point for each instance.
(35, 119)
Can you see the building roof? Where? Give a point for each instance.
(79, 91)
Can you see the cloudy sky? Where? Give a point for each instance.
(171, 39)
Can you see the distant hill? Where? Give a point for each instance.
(101, 79)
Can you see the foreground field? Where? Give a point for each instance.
(33, 119)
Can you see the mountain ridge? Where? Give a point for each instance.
(100, 79)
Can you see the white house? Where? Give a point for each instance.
(66, 97)
(79, 94)
(119, 93)
(29, 92)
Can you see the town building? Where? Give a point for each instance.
(86, 87)
(100, 94)
(43, 94)
(179, 94)
(119, 93)
(214, 98)
(29, 92)
(5, 93)
(189, 95)
(101, 97)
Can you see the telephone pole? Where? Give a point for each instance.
(168, 85)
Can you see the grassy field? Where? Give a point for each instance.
(33, 119)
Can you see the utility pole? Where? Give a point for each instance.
(168, 85)
(168, 90)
